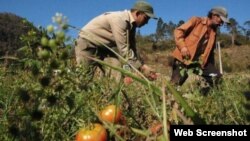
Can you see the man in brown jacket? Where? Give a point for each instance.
(114, 29)
(195, 41)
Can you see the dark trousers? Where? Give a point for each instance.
(209, 73)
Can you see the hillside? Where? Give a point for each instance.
(234, 59)
(45, 96)
(12, 30)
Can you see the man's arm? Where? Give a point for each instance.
(121, 32)
(181, 33)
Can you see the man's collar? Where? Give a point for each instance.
(132, 20)
(204, 20)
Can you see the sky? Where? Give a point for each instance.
(79, 12)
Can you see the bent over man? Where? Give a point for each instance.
(195, 41)
(114, 29)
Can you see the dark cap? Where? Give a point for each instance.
(146, 8)
(222, 12)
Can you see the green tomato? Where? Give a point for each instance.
(43, 54)
(50, 28)
(52, 43)
(60, 35)
(44, 41)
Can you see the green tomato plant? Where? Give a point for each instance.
(193, 67)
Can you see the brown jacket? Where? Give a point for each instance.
(189, 34)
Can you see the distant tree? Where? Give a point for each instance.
(243, 31)
(160, 30)
(247, 29)
(12, 27)
(180, 23)
(164, 31)
(169, 30)
(233, 30)
(139, 38)
(138, 35)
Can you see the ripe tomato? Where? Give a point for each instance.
(111, 114)
(127, 80)
(97, 133)
(155, 129)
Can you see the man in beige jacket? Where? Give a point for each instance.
(195, 41)
(117, 31)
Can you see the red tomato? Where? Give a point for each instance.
(127, 80)
(98, 133)
(155, 129)
(111, 114)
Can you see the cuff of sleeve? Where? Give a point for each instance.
(181, 45)
(137, 64)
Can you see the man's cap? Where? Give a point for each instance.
(145, 7)
(222, 12)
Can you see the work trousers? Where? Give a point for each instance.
(85, 49)
(209, 73)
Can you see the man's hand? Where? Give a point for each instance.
(149, 72)
(152, 76)
(185, 53)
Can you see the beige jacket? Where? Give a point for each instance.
(189, 35)
(114, 29)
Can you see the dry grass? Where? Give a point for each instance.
(234, 59)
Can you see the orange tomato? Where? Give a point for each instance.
(155, 129)
(97, 133)
(111, 114)
(127, 80)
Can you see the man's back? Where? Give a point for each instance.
(108, 28)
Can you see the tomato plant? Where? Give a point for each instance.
(97, 133)
(111, 114)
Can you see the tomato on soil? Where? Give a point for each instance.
(127, 80)
(97, 133)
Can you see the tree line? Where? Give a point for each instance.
(12, 27)
(236, 34)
